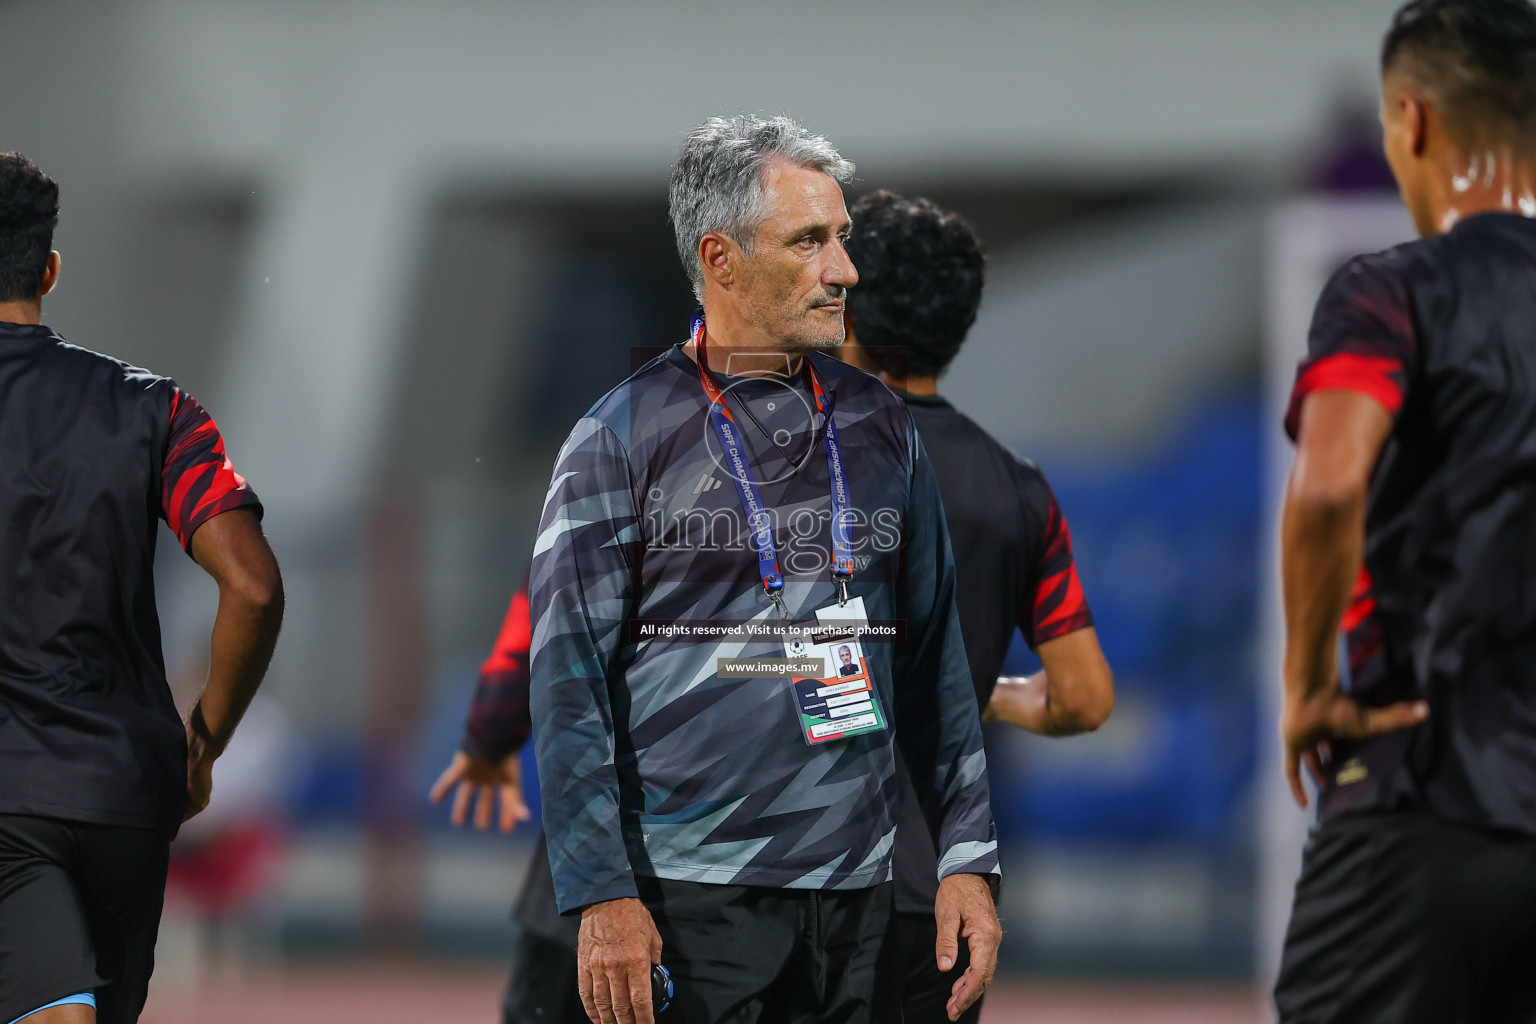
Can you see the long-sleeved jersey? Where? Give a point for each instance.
(651, 764)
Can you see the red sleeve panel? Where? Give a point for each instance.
(499, 720)
(1362, 339)
(1059, 606)
(198, 481)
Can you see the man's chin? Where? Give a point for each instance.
(820, 343)
(822, 335)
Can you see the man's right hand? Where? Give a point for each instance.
(614, 953)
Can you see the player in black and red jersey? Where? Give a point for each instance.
(97, 770)
(485, 777)
(1410, 522)
(920, 282)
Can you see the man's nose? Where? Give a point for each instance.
(839, 271)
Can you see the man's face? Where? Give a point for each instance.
(847, 655)
(796, 274)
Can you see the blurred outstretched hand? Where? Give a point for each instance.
(483, 782)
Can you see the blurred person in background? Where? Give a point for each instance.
(700, 821)
(97, 771)
(485, 777)
(921, 273)
(1409, 524)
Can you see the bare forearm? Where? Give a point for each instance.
(1322, 530)
(233, 550)
(244, 637)
(1322, 545)
(1073, 693)
(1028, 703)
(1020, 701)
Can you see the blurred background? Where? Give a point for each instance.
(398, 246)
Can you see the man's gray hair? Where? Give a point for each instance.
(717, 184)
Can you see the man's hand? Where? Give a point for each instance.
(485, 780)
(200, 758)
(1309, 723)
(617, 945)
(964, 909)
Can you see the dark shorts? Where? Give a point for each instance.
(746, 955)
(909, 987)
(1401, 917)
(79, 912)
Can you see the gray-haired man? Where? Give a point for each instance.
(739, 831)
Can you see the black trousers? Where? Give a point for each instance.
(744, 955)
(543, 985)
(79, 912)
(1401, 917)
(909, 987)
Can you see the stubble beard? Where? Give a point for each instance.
(793, 327)
(795, 330)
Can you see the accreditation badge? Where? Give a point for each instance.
(842, 701)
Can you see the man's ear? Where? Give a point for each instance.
(717, 255)
(50, 273)
(1415, 122)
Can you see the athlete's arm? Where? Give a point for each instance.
(232, 549)
(486, 768)
(1322, 533)
(1074, 691)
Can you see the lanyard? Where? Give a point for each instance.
(758, 520)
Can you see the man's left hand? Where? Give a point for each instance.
(964, 909)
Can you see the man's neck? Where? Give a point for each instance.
(1491, 181)
(740, 349)
(21, 312)
(925, 386)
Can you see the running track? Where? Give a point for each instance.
(410, 993)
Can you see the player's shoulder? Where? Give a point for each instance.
(1386, 270)
(968, 432)
(959, 430)
(1396, 270)
(1030, 481)
(63, 356)
(657, 384)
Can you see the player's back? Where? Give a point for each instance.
(88, 729)
(1443, 332)
(1003, 524)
